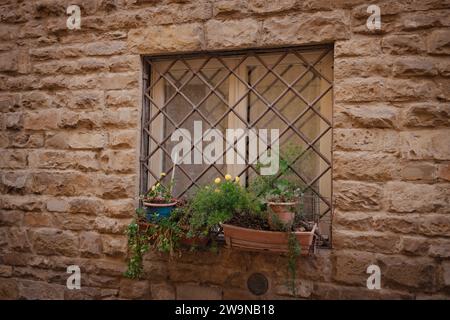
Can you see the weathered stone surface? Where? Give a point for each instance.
(88, 293)
(418, 246)
(87, 205)
(76, 120)
(162, 291)
(366, 140)
(5, 271)
(351, 195)
(440, 249)
(231, 33)
(80, 99)
(115, 246)
(261, 6)
(350, 267)
(133, 289)
(26, 140)
(196, 292)
(303, 289)
(332, 291)
(34, 290)
(57, 205)
(361, 67)
(323, 27)
(414, 273)
(368, 241)
(8, 61)
(426, 115)
(18, 240)
(53, 241)
(403, 44)
(382, 89)
(418, 171)
(84, 161)
(14, 121)
(366, 166)
(410, 197)
(435, 225)
(444, 172)
(42, 120)
(38, 219)
(121, 98)
(86, 140)
(67, 221)
(357, 47)
(118, 161)
(446, 268)
(172, 38)
(438, 42)
(123, 139)
(223, 7)
(10, 217)
(90, 244)
(426, 145)
(13, 159)
(109, 225)
(370, 116)
(428, 19)
(8, 289)
(414, 67)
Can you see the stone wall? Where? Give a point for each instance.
(69, 121)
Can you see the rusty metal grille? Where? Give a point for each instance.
(289, 89)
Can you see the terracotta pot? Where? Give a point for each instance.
(283, 213)
(261, 240)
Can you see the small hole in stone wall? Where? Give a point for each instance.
(258, 284)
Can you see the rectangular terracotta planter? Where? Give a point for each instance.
(262, 240)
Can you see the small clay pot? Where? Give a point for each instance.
(281, 212)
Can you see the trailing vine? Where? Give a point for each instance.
(294, 251)
(138, 245)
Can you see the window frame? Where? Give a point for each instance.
(236, 90)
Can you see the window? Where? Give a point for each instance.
(285, 89)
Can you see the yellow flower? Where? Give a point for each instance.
(228, 177)
(153, 188)
(237, 179)
(217, 181)
(163, 174)
(217, 190)
(158, 184)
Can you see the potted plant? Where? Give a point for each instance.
(158, 201)
(220, 202)
(282, 203)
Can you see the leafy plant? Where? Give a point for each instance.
(159, 193)
(137, 245)
(163, 237)
(294, 251)
(282, 186)
(219, 202)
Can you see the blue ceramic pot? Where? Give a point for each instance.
(155, 211)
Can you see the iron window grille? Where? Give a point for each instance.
(289, 89)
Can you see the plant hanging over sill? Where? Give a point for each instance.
(248, 221)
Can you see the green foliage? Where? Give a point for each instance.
(163, 237)
(282, 186)
(137, 245)
(159, 193)
(218, 203)
(294, 251)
